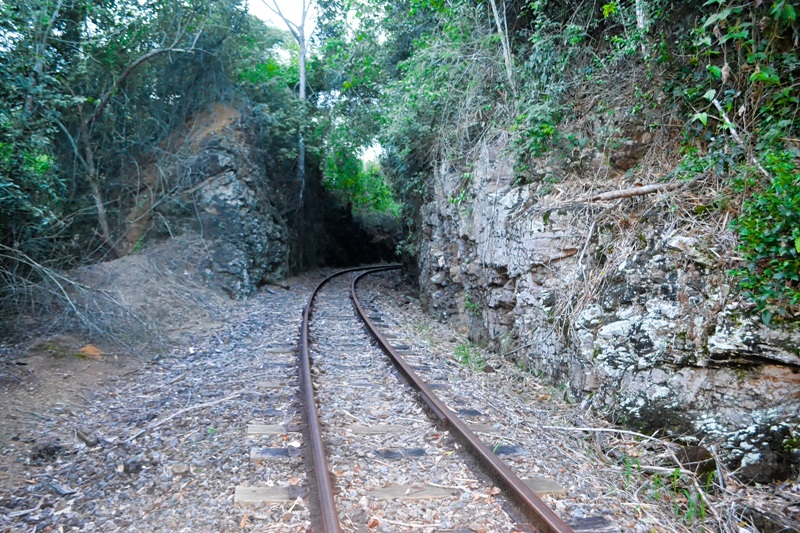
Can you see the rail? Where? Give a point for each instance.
(528, 502)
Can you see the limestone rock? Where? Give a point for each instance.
(659, 341)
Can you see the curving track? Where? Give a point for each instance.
(325, 512)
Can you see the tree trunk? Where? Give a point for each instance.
(301, 143)
(641, 21)
(298, 31)
(37, 71)
(502, 29)
(94, 184)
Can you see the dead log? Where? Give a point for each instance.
(635, 191)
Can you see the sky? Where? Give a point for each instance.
(291, 8)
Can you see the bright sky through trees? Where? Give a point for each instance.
(291, 8)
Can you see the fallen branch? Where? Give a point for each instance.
(515, 350)
(183, 411)
(644, 468)
(635, 191)
(738, 139)
(17, 514)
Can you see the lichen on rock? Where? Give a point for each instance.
(647, 329)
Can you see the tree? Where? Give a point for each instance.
(299, 33)
(30, 185)
(89, 86)
(85, 128)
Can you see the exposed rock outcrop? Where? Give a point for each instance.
(209, 183)
(646, 329)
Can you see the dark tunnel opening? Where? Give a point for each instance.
(352, 240)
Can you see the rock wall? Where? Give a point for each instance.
(209, 182)
(250, 237)
(644, 327)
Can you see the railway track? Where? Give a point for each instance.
(366, 473)
(219, 420)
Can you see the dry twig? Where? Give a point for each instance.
(183, 411)
(635, 191)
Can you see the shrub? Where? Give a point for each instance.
(769, 230)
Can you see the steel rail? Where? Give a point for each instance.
(527, 501)
(316, 455)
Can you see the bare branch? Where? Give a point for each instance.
(72, 142)
(736, 137)
(133, 66)
(294, 28)
(635, 191)
(183, 411)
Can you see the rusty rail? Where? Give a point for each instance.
(527, 501)
(325, 504)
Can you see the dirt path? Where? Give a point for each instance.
(46, 387)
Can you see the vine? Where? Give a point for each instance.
(749, 97)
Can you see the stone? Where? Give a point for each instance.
(225, 196)
(697, 459)
(86, 436)
(180, 469)
(661, 340)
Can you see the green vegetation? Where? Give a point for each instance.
(677, 489)
(748, 101)
(86, 88)
(469, 356)
(769, 232)
(471, 306)
(360, 183)
(89, 88)
(437, 79)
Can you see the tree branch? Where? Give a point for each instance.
(133, 66)
(736, 137)
(294, 28)
(72, 142)
(635, 191)
(183, 411)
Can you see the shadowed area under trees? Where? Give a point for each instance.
(108, 112)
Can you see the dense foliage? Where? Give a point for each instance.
(93, 89)
(89, 86)
(769, 229)
(753, 70)
(448, 74)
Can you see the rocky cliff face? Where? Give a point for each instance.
(642, 325)
(208, 182)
